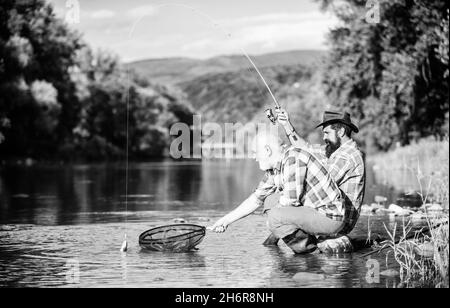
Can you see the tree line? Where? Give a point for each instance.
(61, 100)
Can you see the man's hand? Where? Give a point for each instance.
(245, 208)
(219, 227)
(283, 119)
(282, 116)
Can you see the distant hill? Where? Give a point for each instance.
(236, 96)
(241, 96)
(172, 71)
(227, 89)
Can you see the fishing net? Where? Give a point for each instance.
(174, 238)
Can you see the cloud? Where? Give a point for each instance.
(141, 11)
(102, 14)
(199, 38)
(277, 18)
(136, 48)
(266, 33)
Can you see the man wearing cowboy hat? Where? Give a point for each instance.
(342, 158)
(321, 189)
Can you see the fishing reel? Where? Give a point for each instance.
(271, 116)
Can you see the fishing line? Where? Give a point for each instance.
(227, 33)
(124, 246)
(260, 75)
(130, 34)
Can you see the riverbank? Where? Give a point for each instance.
(426, 160)
(424, 262)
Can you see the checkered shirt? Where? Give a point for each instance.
(347, 167)
(334, 186)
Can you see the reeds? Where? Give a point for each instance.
(423, 257)
(439, 237)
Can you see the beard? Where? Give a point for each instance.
(331, 147)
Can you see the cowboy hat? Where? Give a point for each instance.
(331, 117)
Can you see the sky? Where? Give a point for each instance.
(143, 29)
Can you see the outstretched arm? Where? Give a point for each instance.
(265, 188)
(244, 209)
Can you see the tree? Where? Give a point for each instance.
(37, 102)
(112, 97)
(392, 76)
(58, 97)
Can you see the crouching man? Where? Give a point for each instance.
(312, 203)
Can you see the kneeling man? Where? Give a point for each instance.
(311, 203)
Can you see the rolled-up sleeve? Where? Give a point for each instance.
(265, 188)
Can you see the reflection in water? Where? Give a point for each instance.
(52, 214)
(53, 195)
(323, 270)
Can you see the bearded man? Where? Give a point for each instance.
(341, 156)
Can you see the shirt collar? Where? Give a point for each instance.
(283, 156)
(348, 144)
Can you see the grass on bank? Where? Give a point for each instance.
(424, 259)
(428, 160)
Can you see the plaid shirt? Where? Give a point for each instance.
(334, 186)
(347, 167)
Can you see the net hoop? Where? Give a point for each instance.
(174, 238)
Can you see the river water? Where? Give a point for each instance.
(63, 226)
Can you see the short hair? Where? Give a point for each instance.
(268, 137)
(338, 126)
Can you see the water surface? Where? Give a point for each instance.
(54, 218)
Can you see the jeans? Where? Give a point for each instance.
(284, 221)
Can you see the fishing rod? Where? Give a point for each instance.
(268, 112)
(421, 232)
